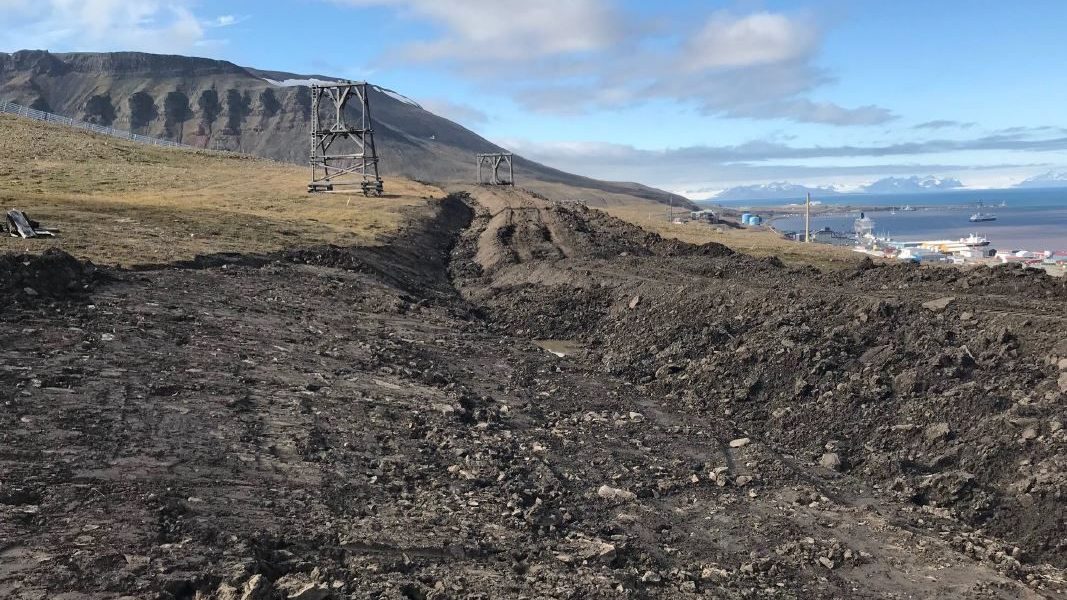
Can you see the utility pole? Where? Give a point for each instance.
(807, 220)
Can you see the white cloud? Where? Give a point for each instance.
(574, 56)
(225, 21)
(944, 124)
(98, 25)
(696, 170)
(456, 111)
(758, 39)
(806, 111)
(508, 30)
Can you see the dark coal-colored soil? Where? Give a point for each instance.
(51, 275)
(380, 423)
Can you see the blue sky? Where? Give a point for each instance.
(692, 96)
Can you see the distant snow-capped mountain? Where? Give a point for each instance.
(779, 190)
(912, 185)
(783, 190)
(1052, 179)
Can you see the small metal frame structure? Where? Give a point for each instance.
(342, 155)
(492, 163)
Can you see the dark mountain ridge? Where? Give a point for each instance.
(217, 104)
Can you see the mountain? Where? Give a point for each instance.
(1052, 179)
(217, 104)
(780, 190)
(912, 185)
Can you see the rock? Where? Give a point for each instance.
(826, 562)
(637, 417)
(297, 586)
(831, 460)
(710, 573)
(1063, 382)
(1054, 426)
(667, 369)
(29, 291)
(1030, 433)
(940, 304)
(719, 476)
(634, 302)
(740, 442)
(651, 577)
(610, 493)
(226, 592)
(597, 550)
(937, 431)
(743, 480)
(1059, 351)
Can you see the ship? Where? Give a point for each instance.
(980, 217)
(975, 240)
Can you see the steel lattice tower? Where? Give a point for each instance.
(339, 152)
(491, 173)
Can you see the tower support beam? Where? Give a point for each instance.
(343, 154)
(490, 167)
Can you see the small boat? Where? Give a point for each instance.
(974, 240)
(908, 208)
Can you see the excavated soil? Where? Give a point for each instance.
(387, 422)
(51, 275)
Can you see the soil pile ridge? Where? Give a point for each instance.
(51, 275)
(940, 386)
(387, 423)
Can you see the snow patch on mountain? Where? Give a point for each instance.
(912, 185)
(783, 190)
(396, 96)
(1051, 179)
(778, 190)
(298, 82)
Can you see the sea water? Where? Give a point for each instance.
(1029, 220)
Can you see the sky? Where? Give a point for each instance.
(692, 96)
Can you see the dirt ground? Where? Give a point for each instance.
(388, 421)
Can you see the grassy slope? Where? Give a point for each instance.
(412, 142)
(117, 202)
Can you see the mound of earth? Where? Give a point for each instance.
(948, 402)
(521, 399)
(51, 275)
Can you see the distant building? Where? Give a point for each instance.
(834, 238)
(707, 216)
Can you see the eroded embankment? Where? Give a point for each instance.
(377, 423)
(942, 388)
